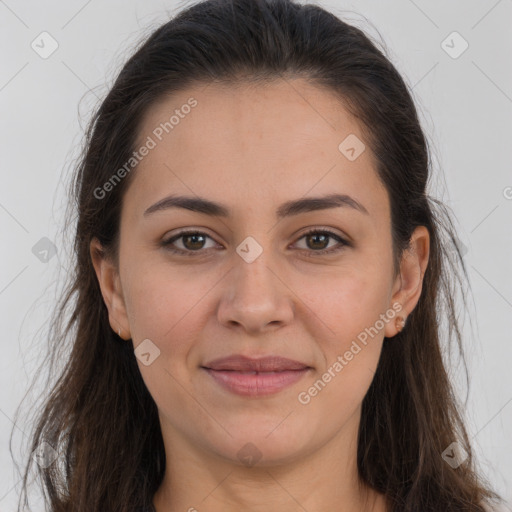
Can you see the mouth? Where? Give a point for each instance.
(247, 383)
(255, 377)
(240, 363)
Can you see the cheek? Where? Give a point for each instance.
(351, 306)
(160, 299)
(348, 311)
(165, 306)
(349, 301)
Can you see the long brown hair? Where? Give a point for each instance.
(99, 416)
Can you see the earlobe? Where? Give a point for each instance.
(109, 282)
(410, 280)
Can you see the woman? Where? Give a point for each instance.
(260, 281)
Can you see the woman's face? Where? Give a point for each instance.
(251, 282)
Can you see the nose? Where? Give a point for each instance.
(255, 296)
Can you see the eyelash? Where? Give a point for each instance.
(342, 242)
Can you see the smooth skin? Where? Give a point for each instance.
(252, 148)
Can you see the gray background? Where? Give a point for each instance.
(465, 105)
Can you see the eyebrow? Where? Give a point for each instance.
(290, 208)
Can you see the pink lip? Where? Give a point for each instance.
(256, 384)
(256, 377)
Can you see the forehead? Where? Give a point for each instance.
(252, 144)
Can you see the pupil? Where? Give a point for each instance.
(193, 237)
(324, 237)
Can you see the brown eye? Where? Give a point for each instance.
(318, 240)
(192, 242)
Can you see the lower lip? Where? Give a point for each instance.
(259, 384)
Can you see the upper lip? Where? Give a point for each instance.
(262, 364)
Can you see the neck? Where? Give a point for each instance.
(326, 479)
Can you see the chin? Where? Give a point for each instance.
(263, 446)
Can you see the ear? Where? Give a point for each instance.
(110, 284)
(408, 284)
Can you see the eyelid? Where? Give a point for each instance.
(325, 229)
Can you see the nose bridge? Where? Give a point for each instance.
(253, 276)
(256, 295)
